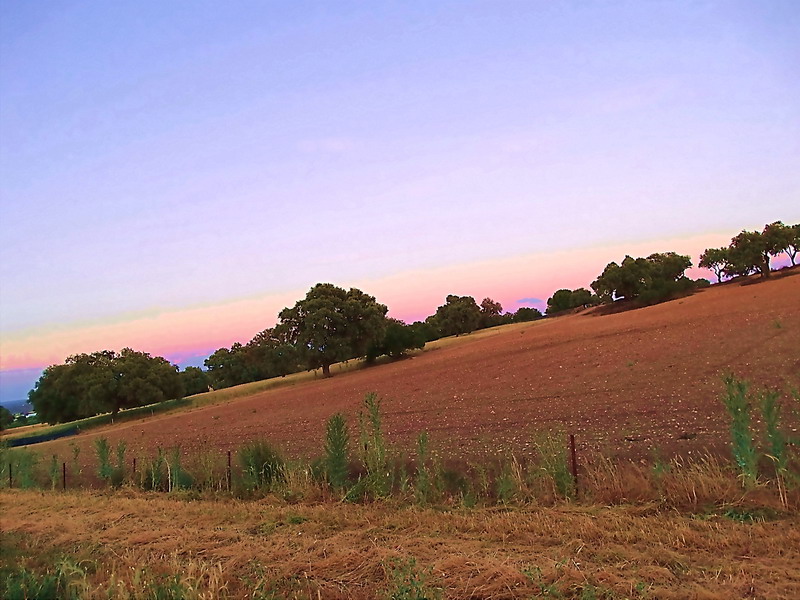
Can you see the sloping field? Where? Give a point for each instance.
(623, 383)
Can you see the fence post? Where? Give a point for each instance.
(64, 476)
(134, 465)
(574, 461)
(228, 472)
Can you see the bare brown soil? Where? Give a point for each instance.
(624, 383)
(254, 549)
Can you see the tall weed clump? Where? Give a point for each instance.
(377, 482)
(337, 451)
(553, 465)
(111, 473)
(262, 464)
(774, 440)
(737, 403)
(422, 485)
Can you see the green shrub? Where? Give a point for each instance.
(553, 463)
(103, 451)
(774, 439)
(154, 474)
(377, 482)
(179, 478)
(262, 464)
(422, 487)
(337, 441)
(738, 406)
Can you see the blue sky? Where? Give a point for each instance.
(159, 157)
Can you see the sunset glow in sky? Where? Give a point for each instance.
(173, 174)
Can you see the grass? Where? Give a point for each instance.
(226, 549)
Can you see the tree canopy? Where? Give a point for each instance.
(650, 279)
(105, 381)
(565, 299)
(751, 251)
(459, 314)
(331, 325)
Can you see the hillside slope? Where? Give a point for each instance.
(624, 383)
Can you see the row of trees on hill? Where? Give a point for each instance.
(750, 251)
(662, 275)
(331, 325)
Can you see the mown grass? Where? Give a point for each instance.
(128, 545)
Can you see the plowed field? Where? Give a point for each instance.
(626, 383)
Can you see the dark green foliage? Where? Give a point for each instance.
(337, 459)
(24, 465)
(262, 465)
(460, 314)
(568, 299)
(89, 384)
(422, 485)
(552, 455)
(268, 354)
(491, 314)
(717, 260)
(179, 478)
(774, 439)
(195, 380)
(651, 279)
(738, 406)
(397, 340)
(27, 585)
(377, 481)
(154, 476)
(331, 325)
(6, 418)
(526, 313)
(103, 450)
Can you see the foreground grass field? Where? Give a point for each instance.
(136, 545)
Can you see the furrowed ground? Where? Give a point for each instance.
(624, 383)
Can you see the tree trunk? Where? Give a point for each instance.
(326, 370)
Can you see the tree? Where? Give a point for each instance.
(565, 299)
(651, 279)
(490, 313)
(227, 367)
(397, 340)
(6, 418)
(717, 260)
(459, 314)
(780, 238)
(331, 324)
(195, 380)
(749, 252)
(105, 381)
(270, 354)
(525, 313)
(794, 242)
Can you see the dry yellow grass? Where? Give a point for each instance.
(240, 549)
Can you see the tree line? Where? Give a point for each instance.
(750, 251)
(331, 324)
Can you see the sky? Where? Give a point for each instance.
(172, 174)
